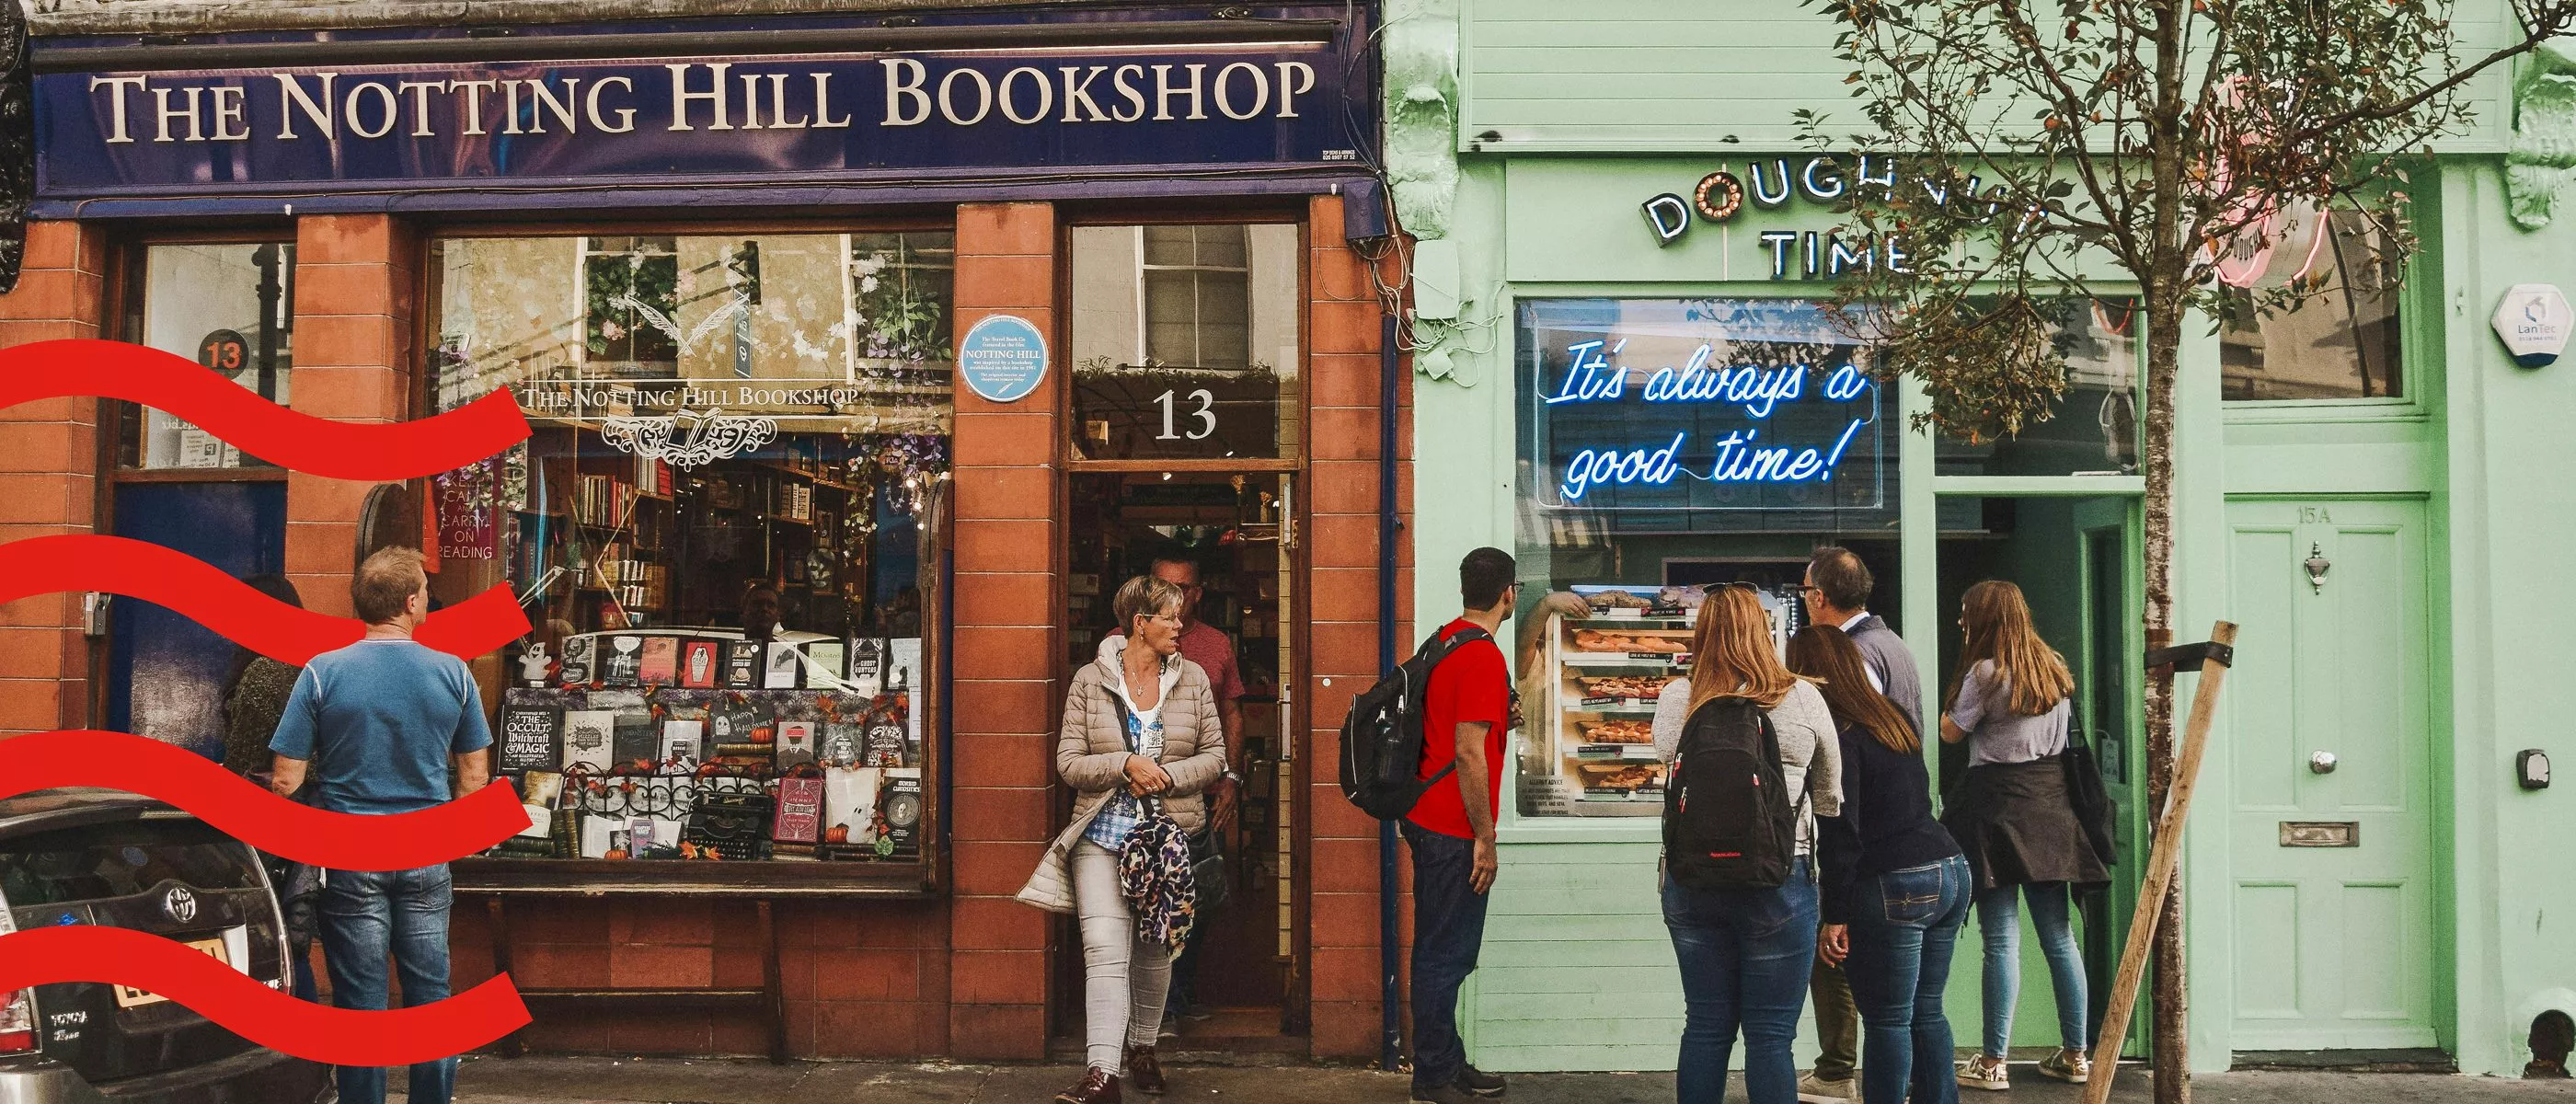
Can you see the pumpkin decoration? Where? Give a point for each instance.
(838, 833)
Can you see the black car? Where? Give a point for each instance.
(104, 857)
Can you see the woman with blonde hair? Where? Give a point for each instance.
(1746, 953)
(2013, 817)
(1140, 734)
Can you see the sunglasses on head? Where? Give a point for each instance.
(1746, 587)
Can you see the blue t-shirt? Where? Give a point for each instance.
(382, 716)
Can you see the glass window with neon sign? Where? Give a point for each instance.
(1686, 405)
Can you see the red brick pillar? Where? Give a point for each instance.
(353, 363)
(1008, 695)
(1342, 554)
(48, 477)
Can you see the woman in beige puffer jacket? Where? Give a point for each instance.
(1169, 748)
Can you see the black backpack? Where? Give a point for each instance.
(1382, 736)
(1729, 819)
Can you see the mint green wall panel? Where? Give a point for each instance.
(1620, 76)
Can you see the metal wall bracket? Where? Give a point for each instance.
(2194, 654)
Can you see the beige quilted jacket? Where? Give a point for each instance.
(1091, 756)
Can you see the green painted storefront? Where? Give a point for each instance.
(2441, 492)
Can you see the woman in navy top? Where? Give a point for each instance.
(1895, 886)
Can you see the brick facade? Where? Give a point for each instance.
(1342, 605)
(354, 302)
(967, 976)
(1008, 693)
(48, 477)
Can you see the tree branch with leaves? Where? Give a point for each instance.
(2150, 151)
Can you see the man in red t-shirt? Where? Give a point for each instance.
(1465, 712)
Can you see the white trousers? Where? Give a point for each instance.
(1124, 979)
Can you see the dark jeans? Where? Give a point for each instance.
(366, 916)
(1745, 955)
(1901, 941)
(1448, 930)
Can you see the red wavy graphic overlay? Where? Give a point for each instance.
(276, 1020)
(315, 446)
(339, 841)
(208, 596)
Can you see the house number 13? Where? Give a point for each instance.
(1206, 414)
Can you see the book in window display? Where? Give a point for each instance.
(698, 664)
(660, 664)
(742, 664)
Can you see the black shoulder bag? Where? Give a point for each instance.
(2093, 809)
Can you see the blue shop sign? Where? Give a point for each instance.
(803, 118)
(1677, 405)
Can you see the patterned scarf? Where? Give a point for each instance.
(1154, 874)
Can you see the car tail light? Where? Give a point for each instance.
(18, 1017)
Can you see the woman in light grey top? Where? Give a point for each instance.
(1807, 742)
(1995, 732)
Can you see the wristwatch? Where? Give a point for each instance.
(1230, 776)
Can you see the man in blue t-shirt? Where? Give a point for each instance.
(384, 716)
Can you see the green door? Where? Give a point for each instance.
(2328, 753)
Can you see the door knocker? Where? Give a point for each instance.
(2317, 565)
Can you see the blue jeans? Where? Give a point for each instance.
(1448, 931)
(366, 916)
(1902, 938)
(1745, 955)
(1999, 920)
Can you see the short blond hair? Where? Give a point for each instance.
(1145, 596)
(385, 583)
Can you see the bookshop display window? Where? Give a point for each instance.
(227, 306)
(1667, 446)
(726, 528)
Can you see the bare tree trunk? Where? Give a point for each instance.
(2170, 999)
(2164, 283)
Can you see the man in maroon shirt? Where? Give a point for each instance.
(1465, 712)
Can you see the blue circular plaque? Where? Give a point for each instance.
(1003, 358)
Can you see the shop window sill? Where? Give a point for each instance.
(601, 877)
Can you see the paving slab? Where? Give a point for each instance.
(571, 1080)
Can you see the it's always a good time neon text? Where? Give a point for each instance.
(1593, 375)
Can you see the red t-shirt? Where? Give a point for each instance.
(1469, 686)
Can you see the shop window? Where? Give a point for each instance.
(227, 306)
(726, 528)
(2092, 429)
(1667, 446)
(2340, 342)
(1185, 341)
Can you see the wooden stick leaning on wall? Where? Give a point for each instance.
(2214, 659)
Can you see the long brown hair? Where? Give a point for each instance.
(1823, 653)
(1999, 629)
(1731, 653)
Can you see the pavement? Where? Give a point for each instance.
(566, 1080)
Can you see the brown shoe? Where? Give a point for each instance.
(1144, 1070)
(1098, 1086)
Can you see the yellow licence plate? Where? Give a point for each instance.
(128, 996)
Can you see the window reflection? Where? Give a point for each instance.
(227, 307)
(2342, 342)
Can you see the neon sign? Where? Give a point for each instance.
(1698, 404)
